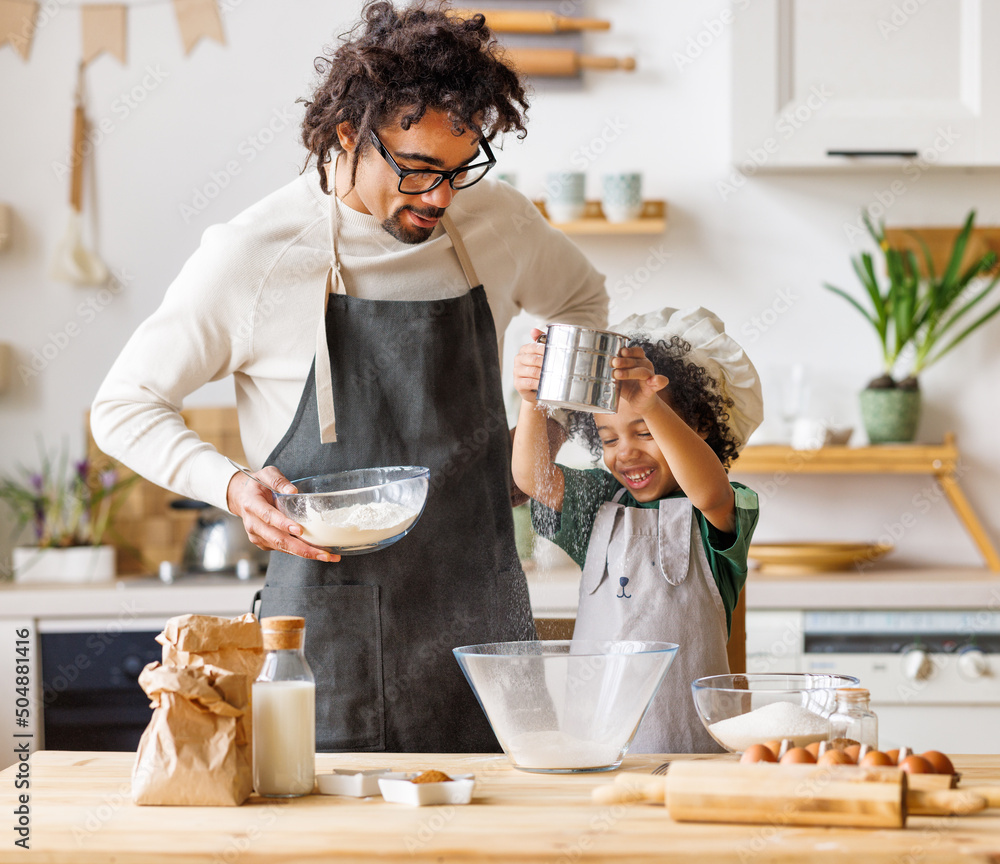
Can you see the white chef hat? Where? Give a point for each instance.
(714, 350)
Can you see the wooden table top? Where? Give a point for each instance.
(81, 811)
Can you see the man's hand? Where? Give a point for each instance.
(266, 526)
(640, 385)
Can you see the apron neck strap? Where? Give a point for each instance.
(334, 285)
(463, 254)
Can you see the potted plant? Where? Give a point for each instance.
(69, 507)
(918, 318)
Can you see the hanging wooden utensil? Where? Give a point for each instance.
(521, 21)
(561, 62)
(73, 261)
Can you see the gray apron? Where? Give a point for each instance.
(414, 383)
(647, 577)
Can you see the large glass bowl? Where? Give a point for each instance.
(741, 710)
(354, 512)
(562, 707)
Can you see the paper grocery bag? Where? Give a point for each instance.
(233, 644)
(194, 750)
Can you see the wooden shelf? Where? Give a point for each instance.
(652, 220)
(937, 460)
(880, 459)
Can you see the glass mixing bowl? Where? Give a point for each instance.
(752, 708)
(354, 512)
(561, 707)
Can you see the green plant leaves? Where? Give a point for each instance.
(918, 310)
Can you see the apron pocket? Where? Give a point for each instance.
(344, 650)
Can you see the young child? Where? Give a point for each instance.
(662, 535)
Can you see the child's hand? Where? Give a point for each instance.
(528, 367)
(640, 385)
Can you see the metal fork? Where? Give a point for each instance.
(661, 769)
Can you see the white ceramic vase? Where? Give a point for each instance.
(72, 564)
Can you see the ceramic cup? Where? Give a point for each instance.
(564, 195)
(621, 196)
(808, 434)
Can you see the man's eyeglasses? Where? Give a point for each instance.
(417, 182)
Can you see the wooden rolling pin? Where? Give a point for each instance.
(521, 21)
(561, 62)
(766, 793)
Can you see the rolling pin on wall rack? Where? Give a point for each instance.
(546, 59)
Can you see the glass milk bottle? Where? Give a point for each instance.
(852, 717)
(284, 713)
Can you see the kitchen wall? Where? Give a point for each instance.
(190, 141)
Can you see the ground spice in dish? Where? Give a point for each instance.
(432, 777)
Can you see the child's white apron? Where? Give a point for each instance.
(647, 577)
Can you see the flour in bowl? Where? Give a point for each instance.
(559, 750)
(771, 723)
(357, 525)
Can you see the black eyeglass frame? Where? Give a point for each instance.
(450, 176)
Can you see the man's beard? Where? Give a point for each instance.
(411, 233)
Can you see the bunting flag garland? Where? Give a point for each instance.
(17, 24)
(104, 25)
(103, 29)
(198, 18)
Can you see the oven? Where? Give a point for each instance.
(89, 687)
(934, 676)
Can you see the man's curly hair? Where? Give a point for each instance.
(692, 393)
(398, 63)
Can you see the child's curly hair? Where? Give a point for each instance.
(693, 394)
(396, 64)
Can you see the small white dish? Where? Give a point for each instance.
(458, 790)
(356, 784)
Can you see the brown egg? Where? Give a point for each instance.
(835, 757)
(893, 755)
(798, 755)
(774, 747)
(853, 751)
(813, 748)
(874, 758)
(758, 753)
(942, 764)
(916, 765)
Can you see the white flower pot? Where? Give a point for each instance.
(73, 564)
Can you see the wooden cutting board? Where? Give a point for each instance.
(830, 795)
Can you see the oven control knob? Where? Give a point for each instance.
(916, 664)
(132, 665)
(972, 663)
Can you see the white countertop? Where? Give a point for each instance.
(553, 593)
(938, 588)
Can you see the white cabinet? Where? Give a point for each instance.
(829, 83)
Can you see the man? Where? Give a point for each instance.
(348, 311)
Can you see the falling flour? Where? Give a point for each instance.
(558, 750)
(357, 525)
(771, 723)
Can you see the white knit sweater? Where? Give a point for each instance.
(248, 302)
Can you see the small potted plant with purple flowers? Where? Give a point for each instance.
(67, 506)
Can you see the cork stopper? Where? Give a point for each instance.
(283, 632)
